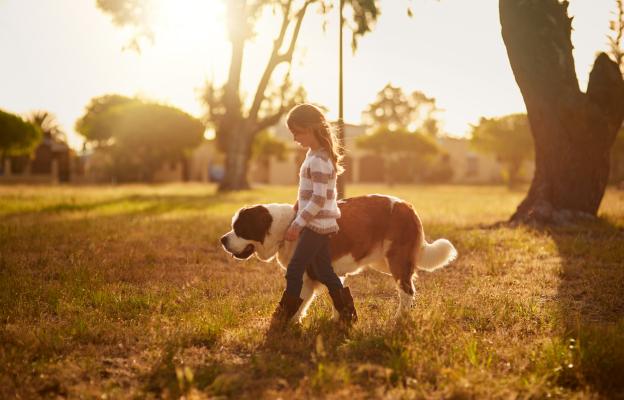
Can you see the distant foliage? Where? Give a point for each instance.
(266, 145)
(365, 14)
(47, 123)
(396, 110)
(131, 12)
(92, 126)
(509, 139)
(139, 137)
(17, 136)
(406, 155)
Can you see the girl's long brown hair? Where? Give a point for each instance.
(309, 116)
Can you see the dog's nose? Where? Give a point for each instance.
(224, 240)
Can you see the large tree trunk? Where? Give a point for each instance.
(233, 140)
(237, 159)
(573, 131)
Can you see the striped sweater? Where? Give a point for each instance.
(318, 209)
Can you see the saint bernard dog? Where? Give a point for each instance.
(376, 231)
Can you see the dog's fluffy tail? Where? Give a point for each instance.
(435, 255)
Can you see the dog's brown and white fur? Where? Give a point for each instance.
(376, 231)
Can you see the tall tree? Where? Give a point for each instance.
(509, 139)
(236, 125)
(16, 135)
(573, 131)
(394, 109)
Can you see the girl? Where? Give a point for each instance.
(316, 214)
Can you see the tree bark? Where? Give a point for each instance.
(237, 160)
(228, 129)
(572, 131)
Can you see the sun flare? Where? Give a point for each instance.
(191, 21)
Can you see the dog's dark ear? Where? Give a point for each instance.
(253, 223)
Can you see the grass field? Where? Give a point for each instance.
(125, 293)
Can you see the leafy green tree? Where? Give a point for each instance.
(16, 135)
(509, 139)
(237, 125)
(151, 135)
(395, 109)
(141, 137)
(404, 153)
(100, 130)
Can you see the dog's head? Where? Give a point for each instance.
(250, 228)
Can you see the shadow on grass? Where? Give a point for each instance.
(136, 203)
(145, 201)
(591, 305)
(299, 362)
(287, 361)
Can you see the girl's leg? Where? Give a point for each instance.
(291, 298)
(341, 296)
(308, 246)
(323, 267)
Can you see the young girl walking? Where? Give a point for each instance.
(316, 214)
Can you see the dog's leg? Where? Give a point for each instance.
(406, 296)
(308, 292)
(402, 269)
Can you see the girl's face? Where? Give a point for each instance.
(305, 137)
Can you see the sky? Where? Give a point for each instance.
(59, 54)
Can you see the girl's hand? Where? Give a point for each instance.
(292, 233)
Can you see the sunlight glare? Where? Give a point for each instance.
(193, 27)
(185, 20)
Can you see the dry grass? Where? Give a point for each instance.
(124, 292)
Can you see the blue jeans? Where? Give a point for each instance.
(312, 249)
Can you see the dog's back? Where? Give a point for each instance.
(386, 233)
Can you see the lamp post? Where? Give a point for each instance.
(341, 137)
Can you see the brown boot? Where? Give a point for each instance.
(284, 312)
(343, 302)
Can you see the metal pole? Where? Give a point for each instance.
(341, 138)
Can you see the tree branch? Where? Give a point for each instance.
(269, 121)
(606, 90)
(287, 57)
(277, 58)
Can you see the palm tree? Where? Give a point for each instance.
(48, 124)
(52, 147)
